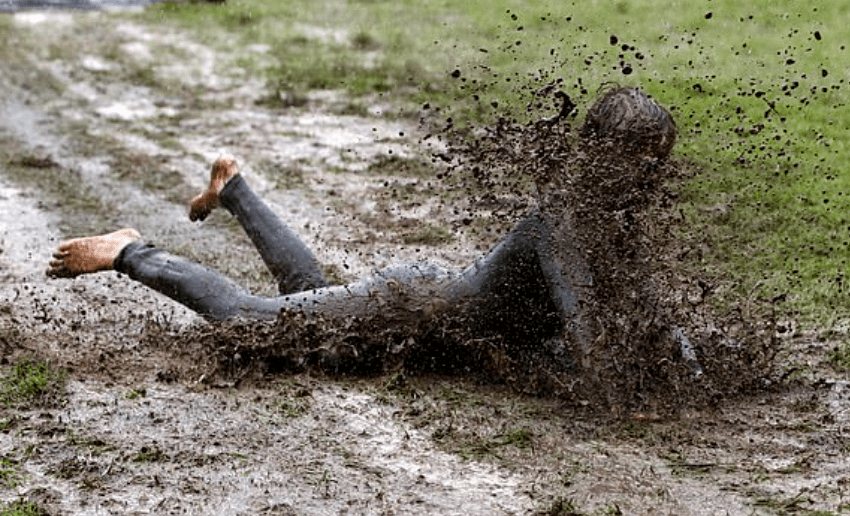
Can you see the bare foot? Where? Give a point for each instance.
(223, 170)
(90, 254)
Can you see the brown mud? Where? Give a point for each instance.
(164, 415)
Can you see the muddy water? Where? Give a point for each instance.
(144, 430)
(26, 236)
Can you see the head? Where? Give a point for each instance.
(627, 123)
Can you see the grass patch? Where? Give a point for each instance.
(839, 357)
(93, 445)
(9, 476)
(285, 177)
(393, 165)
(31, 382)
(427, 234)
(295, 399)
(795, 506)
(566, 507)
(149, 454)
(134, 394)
(472, 446)
(151, 173)
(21, 508)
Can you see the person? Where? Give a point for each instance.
(529, 289)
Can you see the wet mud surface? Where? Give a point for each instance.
(154, 422)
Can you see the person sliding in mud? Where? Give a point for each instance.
(529, 291)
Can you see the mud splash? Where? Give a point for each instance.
(622, 216)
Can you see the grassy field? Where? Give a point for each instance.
(757, 91)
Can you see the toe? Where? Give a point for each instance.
(58, 271)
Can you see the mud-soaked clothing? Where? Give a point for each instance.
(518, 291)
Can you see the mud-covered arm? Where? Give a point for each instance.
(567, 277)
(570, 283)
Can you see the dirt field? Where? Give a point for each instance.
(107, 125)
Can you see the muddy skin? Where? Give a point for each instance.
(163, 412)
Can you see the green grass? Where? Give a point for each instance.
(149, 454)
(134, 394)
(150, 173)
(21, 508)
(397, 166)
(839, 357)
(31, 382)
(757, 90)
(9, 476)
(427, 234)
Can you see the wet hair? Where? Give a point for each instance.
(629, 122)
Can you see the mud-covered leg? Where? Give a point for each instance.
(199, 288)
(287, 257)
(567, 275)
(284, 253)
(511, 299)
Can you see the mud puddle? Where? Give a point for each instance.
(142, 432)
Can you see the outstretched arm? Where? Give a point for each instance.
(568, 278)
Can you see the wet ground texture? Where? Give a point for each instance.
(108, 122)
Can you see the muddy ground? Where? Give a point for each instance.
(107, 122)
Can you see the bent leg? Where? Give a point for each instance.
(290, 261)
